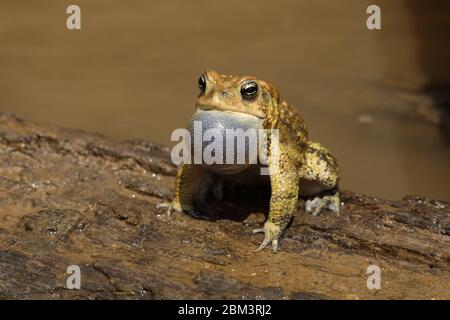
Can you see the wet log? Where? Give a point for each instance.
(71, 198)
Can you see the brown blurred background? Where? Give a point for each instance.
(131, 72)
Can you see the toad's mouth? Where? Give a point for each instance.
(226, 141)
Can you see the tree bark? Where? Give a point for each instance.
(71, 198)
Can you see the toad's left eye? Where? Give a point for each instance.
(249, 90)
(202, 83)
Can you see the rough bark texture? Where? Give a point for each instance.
(70, 198)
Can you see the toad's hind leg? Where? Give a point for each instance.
(319, 180)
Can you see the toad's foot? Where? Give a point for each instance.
(330, 202)
(170, 206)
(271, 234)
(175, 207)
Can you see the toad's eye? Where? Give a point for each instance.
(249, 90)
(202, 83)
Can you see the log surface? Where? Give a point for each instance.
(71, 198)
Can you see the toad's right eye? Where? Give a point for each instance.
(249, 90)
(202, 83)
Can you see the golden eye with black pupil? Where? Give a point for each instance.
(249, 90)
(202, 83)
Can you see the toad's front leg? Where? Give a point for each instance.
(187, 183)
(283, 202)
